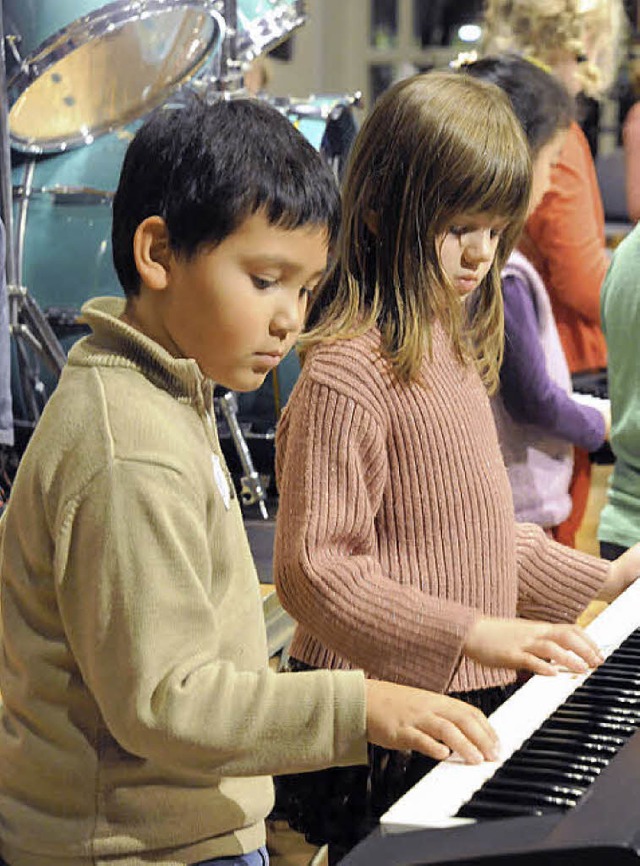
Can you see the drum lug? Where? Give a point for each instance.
(12, 41)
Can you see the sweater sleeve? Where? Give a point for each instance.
(529, 394)
(555, 582)
(137, 595)
(332, 471)
(568, 230)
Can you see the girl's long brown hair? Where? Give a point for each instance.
(436, 145)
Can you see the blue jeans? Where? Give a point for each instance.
(259, 857)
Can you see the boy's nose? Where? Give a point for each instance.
(288, 317)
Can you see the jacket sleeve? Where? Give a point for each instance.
(332, 472)
(134, 590)
(529, 394)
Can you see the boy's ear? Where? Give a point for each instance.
(152, 252)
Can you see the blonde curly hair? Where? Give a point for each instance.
(553, 30)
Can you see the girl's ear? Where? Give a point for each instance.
(152, 252)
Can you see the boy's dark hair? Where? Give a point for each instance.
(206, 167)
(539, 100)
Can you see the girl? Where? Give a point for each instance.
(396, 546)
(578, 41)
(537, 419)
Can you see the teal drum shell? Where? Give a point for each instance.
(64, 248)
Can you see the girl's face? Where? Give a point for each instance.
(467, 249)
(545, 159)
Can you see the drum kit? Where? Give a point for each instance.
(79, 78)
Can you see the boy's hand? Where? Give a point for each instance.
(401, 717)
(539, 647)
(624, 570)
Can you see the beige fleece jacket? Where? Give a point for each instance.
(141, 720)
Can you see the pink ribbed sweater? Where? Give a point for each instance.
(396, 527)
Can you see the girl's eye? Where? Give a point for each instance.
(495, 233)
(262, 282)
(458, 231)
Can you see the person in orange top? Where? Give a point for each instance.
(564, 239)
(631, 140)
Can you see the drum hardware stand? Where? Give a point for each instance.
(252, 489)
(27, 323)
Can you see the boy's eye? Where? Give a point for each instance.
(262, 282)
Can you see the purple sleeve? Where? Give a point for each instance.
(528, 393)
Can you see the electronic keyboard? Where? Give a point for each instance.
(566, 786)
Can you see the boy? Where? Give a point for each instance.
(141, 720)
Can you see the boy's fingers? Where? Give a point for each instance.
(419, 741)
(476, 727)
(448, 733)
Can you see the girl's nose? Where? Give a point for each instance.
(480, 245)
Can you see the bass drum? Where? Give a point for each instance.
(62, 213)
(78, 69)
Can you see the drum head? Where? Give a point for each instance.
(106, 69)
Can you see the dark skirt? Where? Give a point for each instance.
(339, 806)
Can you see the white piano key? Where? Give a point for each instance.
(435, 799)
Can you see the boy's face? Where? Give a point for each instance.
(237, 309)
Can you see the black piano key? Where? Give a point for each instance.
(627, 654)
(584, 733)
(609, 697)
(613, 687)
(614, 676)
(610, 725)
(522, 798)
(594, 762)
(552, 762)
(546, 775)
(595, 715)
(621, 684)
(479, 807)
(571, 745)
(565, 792)
(590, 703)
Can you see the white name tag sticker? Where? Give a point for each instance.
(221, 481)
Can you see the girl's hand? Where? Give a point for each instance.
(624, 570)
(540, 647)
(401, 717)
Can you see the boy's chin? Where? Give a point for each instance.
(244, 385)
